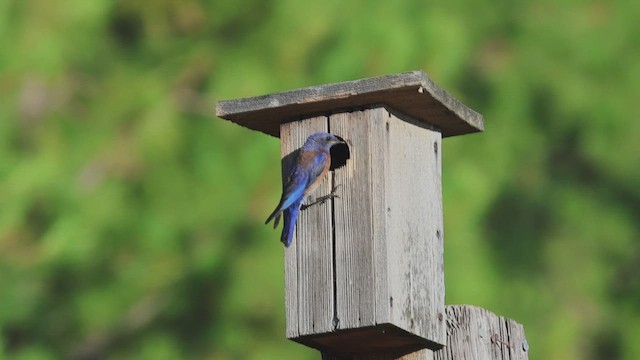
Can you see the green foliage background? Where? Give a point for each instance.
(131, 219)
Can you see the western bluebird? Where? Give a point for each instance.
(309, 169)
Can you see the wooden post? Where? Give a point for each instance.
(476, 333)
(365, 274)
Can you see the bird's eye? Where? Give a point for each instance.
(328, 138)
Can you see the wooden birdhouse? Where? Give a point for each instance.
(365, 272)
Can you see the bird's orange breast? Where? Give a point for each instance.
(314, 185)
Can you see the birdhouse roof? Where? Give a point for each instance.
(412, 93)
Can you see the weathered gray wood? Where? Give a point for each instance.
(473, 333)
(412, 93)
(355, 255)
(476, 333)
(308, 261)
(389, 243)
(387, 260)
(424, 354)
(364, 276)
(413, 211)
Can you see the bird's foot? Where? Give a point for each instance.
(323, 199)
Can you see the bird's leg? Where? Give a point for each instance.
(323, 199)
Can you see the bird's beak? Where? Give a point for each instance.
(340, 140)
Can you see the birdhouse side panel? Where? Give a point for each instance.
(415, 248)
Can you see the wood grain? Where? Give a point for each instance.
(387, 257)
(473, 333)
(365, 273)
(389, 243)
(355, 255)
(412, 93)
(476, 333)
(413, 217)
(309, 276)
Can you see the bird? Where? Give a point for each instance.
(309, 168)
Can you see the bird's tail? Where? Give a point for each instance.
(290, 218)
(275, 215)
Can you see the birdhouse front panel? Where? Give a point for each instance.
(370, 260)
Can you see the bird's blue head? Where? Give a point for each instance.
(323, 139)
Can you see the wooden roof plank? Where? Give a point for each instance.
(412, 93)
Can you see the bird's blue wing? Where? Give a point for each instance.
(294, 188)
(292, 191)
